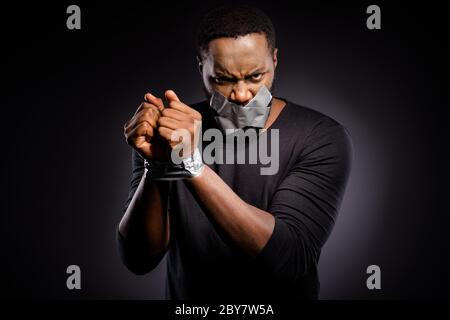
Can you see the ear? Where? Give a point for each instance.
(200, 64)
(275, 57)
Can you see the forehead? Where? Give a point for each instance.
(239, 54)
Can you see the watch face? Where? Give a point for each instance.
(194, 163)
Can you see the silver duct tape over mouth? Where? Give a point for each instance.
(233, 116)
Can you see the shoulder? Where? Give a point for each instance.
(307, 117)
(314, 132)
(311, 121)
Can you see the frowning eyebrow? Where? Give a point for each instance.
(225, 74)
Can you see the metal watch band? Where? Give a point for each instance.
(194, 163)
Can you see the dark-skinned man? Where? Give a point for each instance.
(229, 231)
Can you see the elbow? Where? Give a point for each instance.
(135, 258)
(138, 265)
(288, 255)
(138, 270)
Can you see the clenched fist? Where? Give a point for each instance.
(141, 130)
(179, 125)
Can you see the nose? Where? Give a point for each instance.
(241, 94)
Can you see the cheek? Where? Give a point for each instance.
(208, 85)
(206, 73)
(268, 80)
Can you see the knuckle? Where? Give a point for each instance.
(146, 107)
(149, 106)
(196, 115)
(166, 112)
(154, 111)
(173, 104)
(147, 114)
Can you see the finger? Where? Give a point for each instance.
(185, 109)
(136, 123)
(147, 105)
(150, 115)
(154, 100)
(171, 96)
(174, 114)
(175, 103)
(141, 130)
(166, 133)
(147, 114)
(169, 123)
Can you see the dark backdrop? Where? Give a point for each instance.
(66, 95)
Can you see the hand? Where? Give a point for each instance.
(179, 116)
(140, 131)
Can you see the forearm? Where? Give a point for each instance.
(146, 219)
(247, 226)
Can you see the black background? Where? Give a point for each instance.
(67, 94)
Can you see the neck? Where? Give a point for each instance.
(277, 106)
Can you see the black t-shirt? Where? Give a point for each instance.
(304, 196)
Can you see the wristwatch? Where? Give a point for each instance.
(193, 163)
(189, 167)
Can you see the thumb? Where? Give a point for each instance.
(171, 96)
(154, 100)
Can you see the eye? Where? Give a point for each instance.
(256, 76)
(221, 80)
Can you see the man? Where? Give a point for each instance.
(228, 230)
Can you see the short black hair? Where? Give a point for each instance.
(232, 22)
